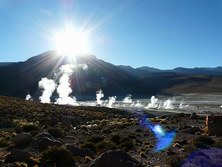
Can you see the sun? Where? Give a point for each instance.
(71, 42)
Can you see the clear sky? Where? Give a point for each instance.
(158, 33)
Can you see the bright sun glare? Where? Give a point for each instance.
(71, 42)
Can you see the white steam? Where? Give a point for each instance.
(138, 104)
(128, 99)
(153, 103)
(182, 105)
(111, 101)
(28, 97)
(168, 104)
(156, 104)
(99, 96)
(48, 86)
(64, 87)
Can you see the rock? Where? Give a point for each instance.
(214, 125)
(44, 142)
(182, 142)
(82, 152)
(52, 121)
(88, 159)
(44, 134)
(197, 133)
(18, 155)
(177, 145)
(115, 158)
(22, 140)
(193, 116)
(169, 152)
(192, 130)
(181, 150)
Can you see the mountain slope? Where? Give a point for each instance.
(199, 71)
(19, 79)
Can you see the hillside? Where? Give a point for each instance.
(19, 79)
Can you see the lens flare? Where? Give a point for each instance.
(164, 139)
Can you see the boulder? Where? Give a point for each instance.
(44, 134)
(82, 152)
(44, 142)
(18, 155)
(214, 125)
(22, 140)
(115, 158)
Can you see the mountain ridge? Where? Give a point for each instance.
(21, 78)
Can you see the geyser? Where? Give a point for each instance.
(99, 95)
(128, 99)
(48, 86)
(63, 88)
(111, 101)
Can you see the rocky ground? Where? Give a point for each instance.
(35, 134)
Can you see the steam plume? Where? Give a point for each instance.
(128, 99)
(99, 95)
(64, 89)
(153, 103)
(48, 86)
(28, 97)
(168, 104)
(111, 101)
(138, 104)
(182, 105)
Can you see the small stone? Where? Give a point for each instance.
(176, 145)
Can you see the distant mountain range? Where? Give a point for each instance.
(19, 79)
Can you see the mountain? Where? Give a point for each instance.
(148, 69)
(19, 79)
(199, 71)
(5, 64)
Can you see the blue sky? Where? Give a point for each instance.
(158, 33)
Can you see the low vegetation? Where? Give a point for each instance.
(91, 131)
(57, 156)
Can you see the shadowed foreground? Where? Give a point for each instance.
(50, 135)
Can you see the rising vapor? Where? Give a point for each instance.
(153, 103)
(111, 101)
(64, 88)
(28, 97)
(48, 86)
(128, 99)
(99, 96)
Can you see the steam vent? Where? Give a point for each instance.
(214, 125)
